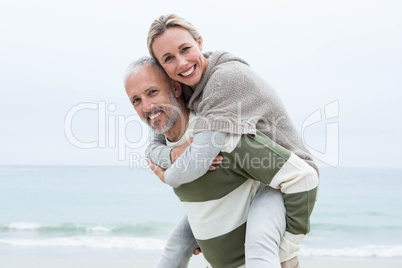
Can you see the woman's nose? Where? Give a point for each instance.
(182, 62)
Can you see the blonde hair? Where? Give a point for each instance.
(160, 25)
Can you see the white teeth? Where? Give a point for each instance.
(188, 72)
(154, 116)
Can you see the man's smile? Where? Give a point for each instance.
(153, 116)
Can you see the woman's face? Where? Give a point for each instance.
(180, 55)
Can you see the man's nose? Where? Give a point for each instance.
(146, 106)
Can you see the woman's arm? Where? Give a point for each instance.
(162, 155)
(195, 161)
(158, 152)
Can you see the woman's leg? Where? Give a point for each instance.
(179, 247)
(266, 224)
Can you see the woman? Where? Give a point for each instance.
(228, 96)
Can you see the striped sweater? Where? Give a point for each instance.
(217, 204)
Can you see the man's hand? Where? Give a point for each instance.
(178, 151)
(160, 172)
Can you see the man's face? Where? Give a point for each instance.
(153, 99)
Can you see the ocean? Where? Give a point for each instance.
(128, 213)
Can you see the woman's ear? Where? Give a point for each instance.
(176, 87)
(199, 41)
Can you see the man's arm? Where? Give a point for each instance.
(158, 152)
(179, 247)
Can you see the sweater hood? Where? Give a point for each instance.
(219, 57)
(216, 58)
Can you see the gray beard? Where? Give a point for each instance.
(171, 119)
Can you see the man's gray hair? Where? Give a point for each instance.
(141, 63)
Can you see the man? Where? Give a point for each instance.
(207, 200)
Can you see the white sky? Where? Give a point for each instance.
(55, 55)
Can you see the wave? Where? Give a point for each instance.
(90, 242)
(134, 228)
(135, 243)
(381, 251)
(317, 227)
(155, 228)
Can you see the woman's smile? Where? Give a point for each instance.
(180, 55)
(189, 72)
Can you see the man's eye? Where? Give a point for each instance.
(151, 92)
(136, 100)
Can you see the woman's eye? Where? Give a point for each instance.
(168, 58)
(185, 49)
(151, 92)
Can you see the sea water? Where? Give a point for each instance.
(60, 209)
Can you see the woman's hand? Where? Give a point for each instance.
(178, 151)
(197, 251)
(160, 172)
(217, 161)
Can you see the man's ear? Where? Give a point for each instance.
(176, 87)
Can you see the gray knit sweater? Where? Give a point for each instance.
(231, 97)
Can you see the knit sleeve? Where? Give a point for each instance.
(158, 152)
(196, 159)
